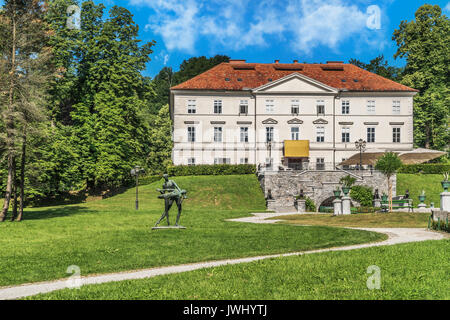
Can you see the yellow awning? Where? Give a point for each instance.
(296, 148)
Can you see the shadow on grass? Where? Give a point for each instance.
(50, 213)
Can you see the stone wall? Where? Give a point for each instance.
(317, 185)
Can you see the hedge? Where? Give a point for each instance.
(426, 168)
(149, 179)
(215, 169)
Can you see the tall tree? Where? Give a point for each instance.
(25, 64)
(425, 44)
(379, 66)
(161, 144)
(167, 78)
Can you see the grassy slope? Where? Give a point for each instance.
(367, 220)
(408, 271)
(109, 235)
(431, 183)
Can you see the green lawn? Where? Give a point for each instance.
(109, 235)
(364, 220)
(408, 271)
(431, 183)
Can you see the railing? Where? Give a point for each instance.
(313, 166)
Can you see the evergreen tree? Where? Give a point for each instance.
(25, 64)
(161, 145)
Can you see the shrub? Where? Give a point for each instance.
(310, 205)
(425, 168)
(347, 181)
(362, 194)
(148, 179)
(216, 169)
(440, 225)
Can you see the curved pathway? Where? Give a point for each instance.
(396, 236)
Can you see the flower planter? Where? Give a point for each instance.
(346, 190)
(337, 193)
(421, 198)
(445, 185)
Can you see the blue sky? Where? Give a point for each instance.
(265, 30)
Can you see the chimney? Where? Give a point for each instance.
(237, 61)
(277, 61)
(295, 61)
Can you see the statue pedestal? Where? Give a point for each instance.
(377, 203)
(301, 205)
(422, 205)
(271, 205)
(445, 201)
(337, 203)
(346, 203)
(168, 227)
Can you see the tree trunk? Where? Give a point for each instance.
(22, 175)
(10, 124)
(390, 193)
(14, 194)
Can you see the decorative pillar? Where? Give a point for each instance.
(337, 203)
(346, 203)
(301, 205)
(445, 201)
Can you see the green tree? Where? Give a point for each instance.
(379, 66)
(425, 44)
(161, 145)
(167, 78)
(388, 164)
(26, 69)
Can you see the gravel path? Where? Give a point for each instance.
(396, 236)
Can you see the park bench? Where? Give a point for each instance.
(398, 204)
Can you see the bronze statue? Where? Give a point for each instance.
(170, 192)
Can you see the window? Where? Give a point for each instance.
(346, 135)
(218, 106)
(244, 160)
(396, 106)
(243, 107)
(191, 161)
(295, 107)
(191, 134)
(320, 164)
(191, 106)
(320, 131)
(244, 134)
(345, 107)
(395, 135)
(295, 133)
(371, 106)
(222, 161)
(320, 107)
(217, 134)
(270, 107)
(370, 134)
(269, 134)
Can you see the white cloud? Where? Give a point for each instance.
(447, 7)
(238, 24)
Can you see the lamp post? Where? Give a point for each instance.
(136, 171)
(361, 145)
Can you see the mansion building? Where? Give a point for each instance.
(296, 115)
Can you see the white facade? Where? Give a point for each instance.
(292, 108)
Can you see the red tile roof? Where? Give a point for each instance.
(241, 75)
